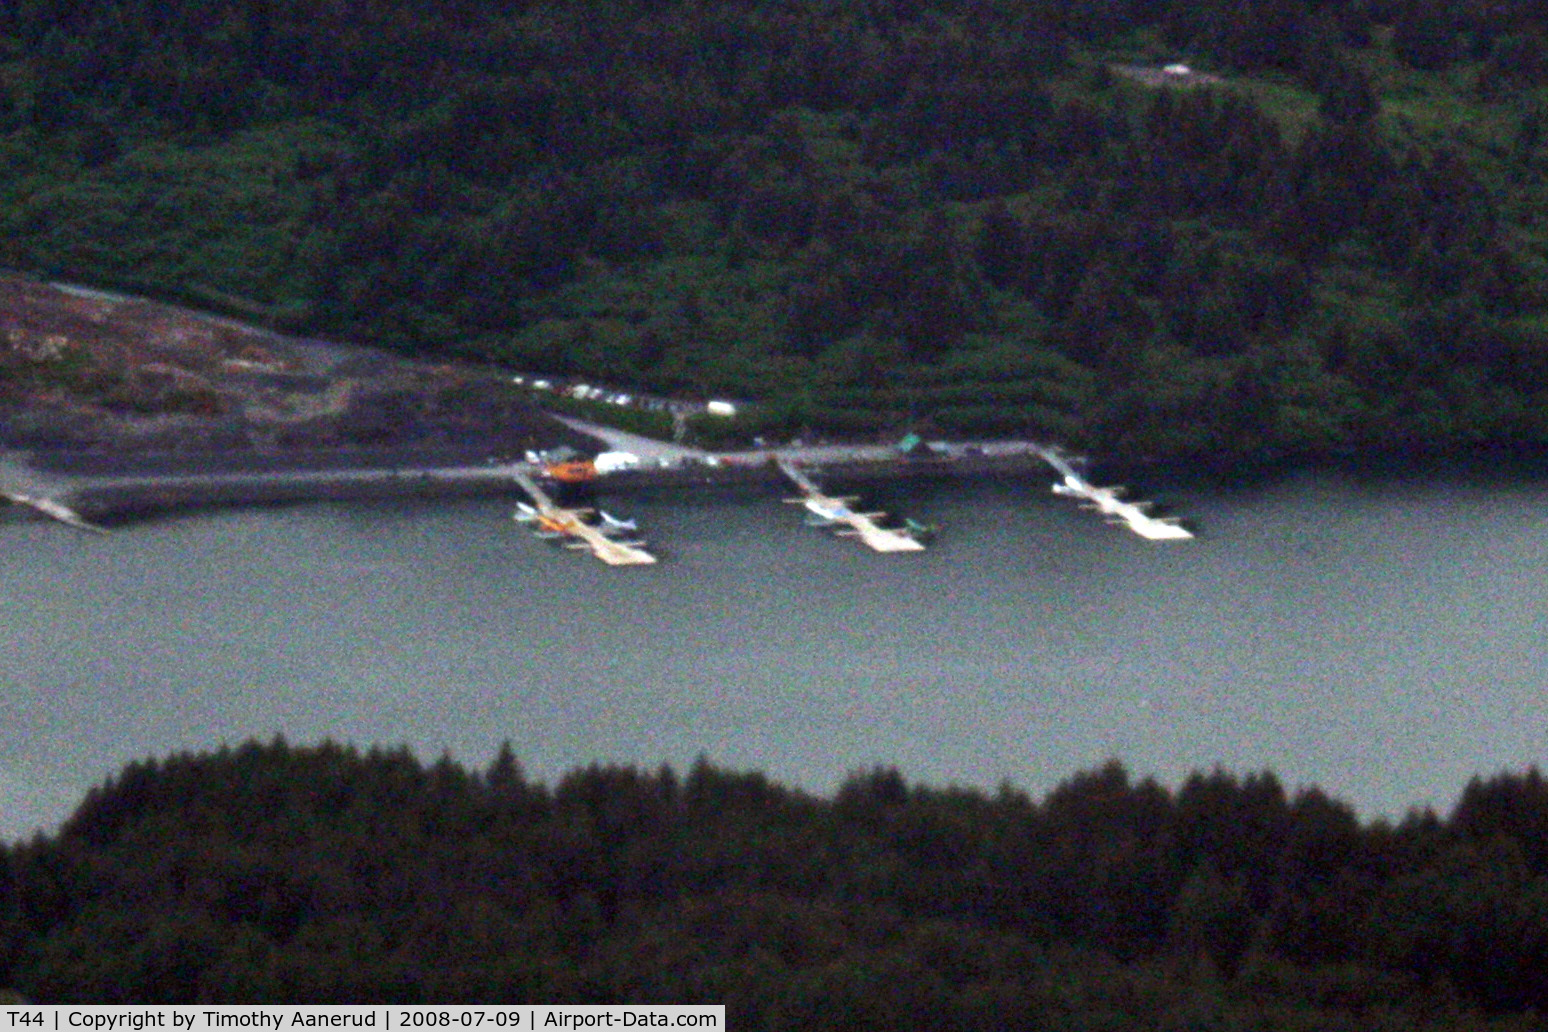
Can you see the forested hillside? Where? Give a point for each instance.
(964, 216)
(284, 874)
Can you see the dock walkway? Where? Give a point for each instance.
(861, 525)
(568, 522)
(1106, 500)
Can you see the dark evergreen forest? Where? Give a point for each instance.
(321, 874)
(962, 216)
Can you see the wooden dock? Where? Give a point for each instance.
(836, 511)
(569, 524)
(1113, 508)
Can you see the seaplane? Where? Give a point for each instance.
(824, 510)
(1110, 503)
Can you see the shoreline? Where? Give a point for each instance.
(102, 487)
(120, 488)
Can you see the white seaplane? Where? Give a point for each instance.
(1110, 503)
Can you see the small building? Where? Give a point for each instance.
(613, 461)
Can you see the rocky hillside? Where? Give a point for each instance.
(87, 371)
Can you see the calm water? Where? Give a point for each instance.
(1383, 641)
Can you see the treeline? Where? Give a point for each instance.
(321, 874)
(865, 215)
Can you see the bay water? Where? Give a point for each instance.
(1382, 639)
